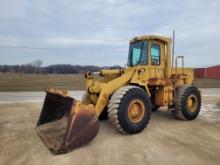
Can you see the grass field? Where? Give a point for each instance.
(34, 82)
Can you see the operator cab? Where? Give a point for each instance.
(147, 50)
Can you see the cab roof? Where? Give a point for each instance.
(151, 37)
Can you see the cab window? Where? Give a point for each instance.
(155, 54)
(138, 53)
(144, 54)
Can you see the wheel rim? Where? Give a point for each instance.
(136, 111)
(192, 103)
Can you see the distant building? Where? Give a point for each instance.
(210, 72)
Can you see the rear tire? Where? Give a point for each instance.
(129, 109)
(187, 103)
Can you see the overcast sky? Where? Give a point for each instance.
(97, 32)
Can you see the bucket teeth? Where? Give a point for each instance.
(61, 92)
(64, 123)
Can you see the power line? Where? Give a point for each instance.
(42, 48)
(26, 47)
(22, 34)
(69, 36)
(22, 20)
(83, 51)
(73, 26)
(197, 24)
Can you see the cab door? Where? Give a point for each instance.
(156, 59)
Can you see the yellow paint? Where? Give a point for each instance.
(136, 111)
(162, 76)
(192, 103)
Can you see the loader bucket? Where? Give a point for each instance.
(64, 123)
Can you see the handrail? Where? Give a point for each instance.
(176, 63)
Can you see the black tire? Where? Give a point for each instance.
(119, 106)
(181, 110)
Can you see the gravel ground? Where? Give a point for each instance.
(164, 141)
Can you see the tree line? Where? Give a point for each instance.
(35, 67)
(58, 69)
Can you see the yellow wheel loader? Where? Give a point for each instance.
(125, 96)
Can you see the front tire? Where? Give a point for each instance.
(129, 109)
(187, 103)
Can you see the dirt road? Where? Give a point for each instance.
(165, 141)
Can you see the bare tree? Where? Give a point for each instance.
(37, 63)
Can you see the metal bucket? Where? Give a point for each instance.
(64, 123)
